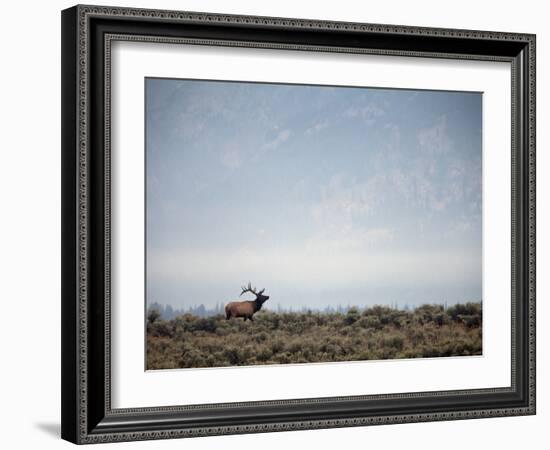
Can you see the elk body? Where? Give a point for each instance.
(246, 309)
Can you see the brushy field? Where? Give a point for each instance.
(278, 338)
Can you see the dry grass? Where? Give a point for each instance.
(374, 333)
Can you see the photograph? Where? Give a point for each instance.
(297, 223)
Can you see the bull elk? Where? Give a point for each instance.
(247, 308)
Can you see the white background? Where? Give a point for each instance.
(30, 226)
(133, 387)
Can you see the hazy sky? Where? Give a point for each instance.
(322, 195)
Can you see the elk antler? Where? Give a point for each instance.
(248, 289)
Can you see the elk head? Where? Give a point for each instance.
(260, 297)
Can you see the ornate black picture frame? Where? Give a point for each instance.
(87, 34)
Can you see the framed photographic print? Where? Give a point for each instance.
(277, 224)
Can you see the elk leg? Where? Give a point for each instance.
(250, 318)
(244, 318)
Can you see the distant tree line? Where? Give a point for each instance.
(167, 312)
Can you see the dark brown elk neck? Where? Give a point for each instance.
(257, 305)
